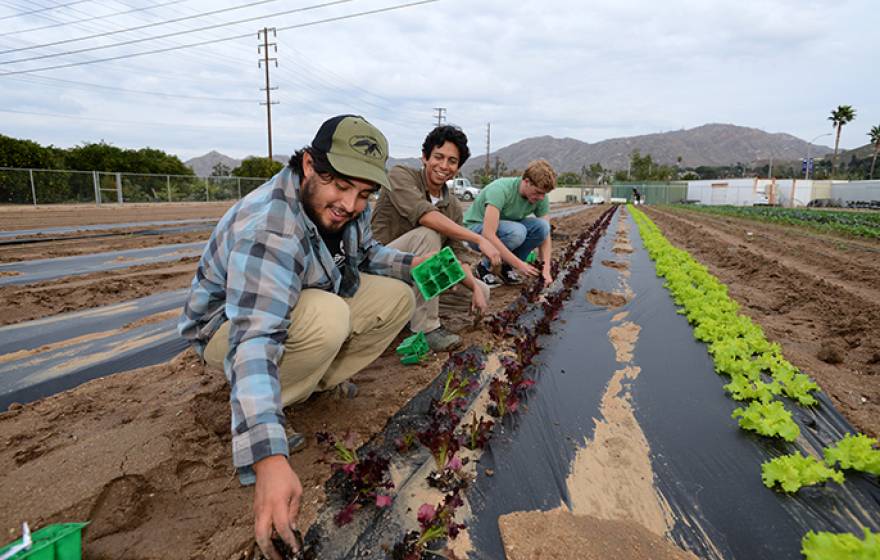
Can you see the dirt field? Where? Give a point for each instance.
(817, 295)
(34, 217)
(145, 455)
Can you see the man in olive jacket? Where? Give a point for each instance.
(417, 214)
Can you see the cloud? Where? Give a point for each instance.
(591, 71)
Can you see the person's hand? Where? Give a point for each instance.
(479, 305)
(276, 504)
(527, 269)
(548, 278)
(419, 259)
(490, 251)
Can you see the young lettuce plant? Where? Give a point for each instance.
(366, 479)
(436, 523)
(477, 432)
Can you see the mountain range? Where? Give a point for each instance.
(709, 144)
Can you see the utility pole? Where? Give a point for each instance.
(264, 33)
(488, 135)
(441, 115)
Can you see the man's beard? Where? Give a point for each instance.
(308, 196)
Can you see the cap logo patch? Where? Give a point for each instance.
(366, 145)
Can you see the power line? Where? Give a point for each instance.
(214, 41)
(175, 125)
(147, 26)
(137, 91)
(44, 9)
(92, 18)
(164, 36)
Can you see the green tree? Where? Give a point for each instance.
(875, 139)
(568, 178)
(220, 169)
(257, 167)
(844, 114)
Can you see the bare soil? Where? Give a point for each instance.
(561, 535)
(815, 294)
(13, 217)
(145, 455)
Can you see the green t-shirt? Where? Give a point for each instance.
(504, 195)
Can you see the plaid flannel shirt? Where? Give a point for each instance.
(262, 254)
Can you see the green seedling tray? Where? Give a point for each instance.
(438, 274)
(61, 541)
(413, 348)
(532, 257)
(411, 359)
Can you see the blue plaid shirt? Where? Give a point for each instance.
(262, 254)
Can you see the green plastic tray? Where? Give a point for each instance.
(61, 541)
(413, 348)
(532, 257)
(438, 274)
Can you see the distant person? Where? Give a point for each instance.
(418, 214)
(637, 196)
(502, 214)
(292, 296)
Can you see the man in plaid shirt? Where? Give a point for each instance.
(292, 296)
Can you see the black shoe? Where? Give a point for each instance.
(296, 442)
(486, 276)
(509, 275)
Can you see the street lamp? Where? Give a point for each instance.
(807, 161)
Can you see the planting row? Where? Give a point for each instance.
(759, 375)
(859, 224)
(445, 430)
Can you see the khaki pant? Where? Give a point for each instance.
(422, 241)
(331, 338)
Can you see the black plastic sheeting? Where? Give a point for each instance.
(55, 370)
(26, 272)
(705, 466)
(33, 334)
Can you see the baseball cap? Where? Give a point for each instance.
(354, 147)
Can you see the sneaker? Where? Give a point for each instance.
(441, 340)
(487, 276)
(345, 390)
(296, 442)
(509, 275)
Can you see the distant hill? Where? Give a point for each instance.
(710, 144)
(204, 165)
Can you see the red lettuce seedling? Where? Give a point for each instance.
(477, 433)
(365, 478)
(436, 523)
(441, 439)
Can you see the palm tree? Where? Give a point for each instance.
(839, 117)
(875, 139)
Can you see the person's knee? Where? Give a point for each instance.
(512, 234)
(424, 241)
(540, 229)
(330, 325)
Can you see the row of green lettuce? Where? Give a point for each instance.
(855, 223)
(759, 374)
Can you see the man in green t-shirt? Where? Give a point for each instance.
(501, 213)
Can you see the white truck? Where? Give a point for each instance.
(462, 188)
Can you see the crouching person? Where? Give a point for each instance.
(418, 214)
(502, 214)
(292, 296)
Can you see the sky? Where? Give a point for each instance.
(590, 70)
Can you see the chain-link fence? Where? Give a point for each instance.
(49, 186)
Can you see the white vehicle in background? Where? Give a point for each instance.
(462, 188)
(593, 199)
